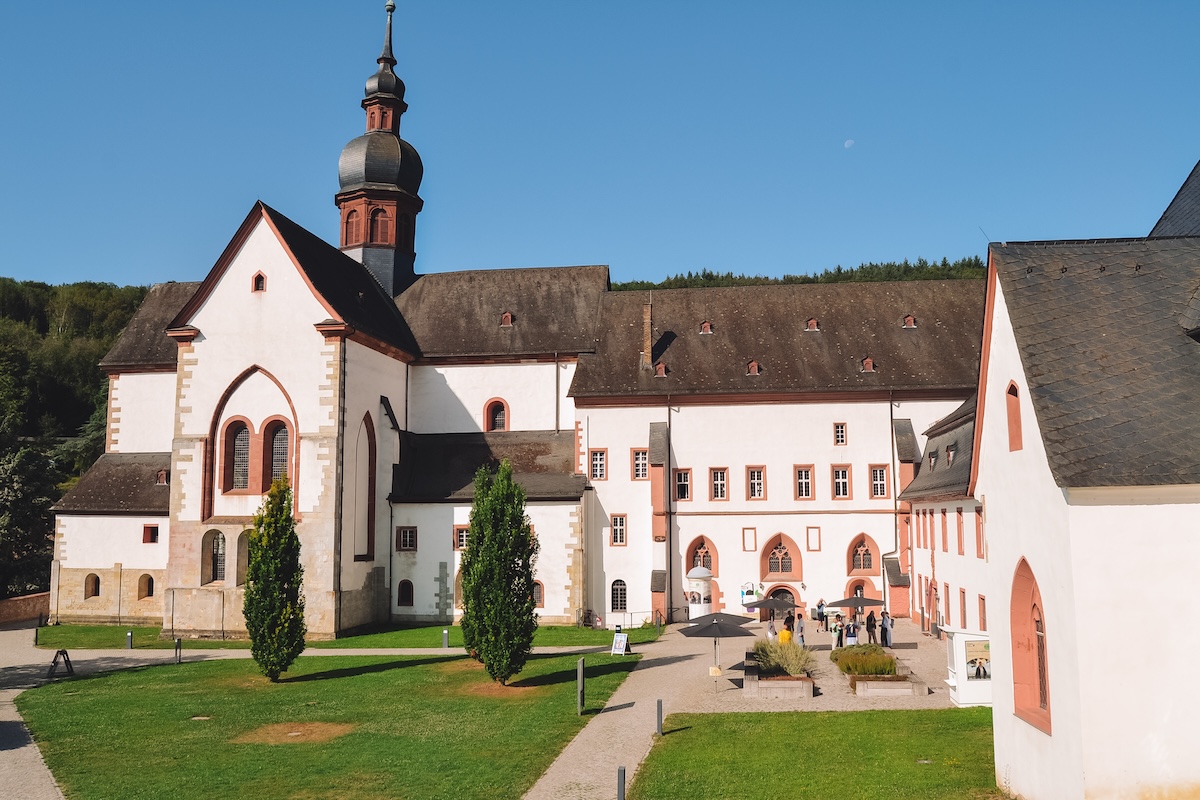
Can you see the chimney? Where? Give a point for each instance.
(647, 336)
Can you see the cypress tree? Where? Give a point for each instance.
(498, 619)
(274, 604)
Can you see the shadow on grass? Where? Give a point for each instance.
(568, 675)
(368, 669)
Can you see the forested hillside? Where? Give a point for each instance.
(52, 408)
(920, 270)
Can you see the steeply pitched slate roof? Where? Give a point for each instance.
(907, 449)
(957, 430)
(144, 343)
(346, 287)
(345, 284)
(438, 467)
(457, 314)
(894, 576)
(767, 324)
(1182, 217)
(120, 483)
(1112, 373)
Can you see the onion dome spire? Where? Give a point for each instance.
(385, 81)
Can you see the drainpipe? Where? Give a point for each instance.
(668, 487)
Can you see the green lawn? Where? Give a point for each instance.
(84, 637)
(926, 755)
(411, 726)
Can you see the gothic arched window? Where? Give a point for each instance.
(780, 559)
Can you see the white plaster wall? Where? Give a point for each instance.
(1134, 562)
(967, 571)
(256, 399)
(435, 524)
(143, 419)
(777, 436)
(451, 399)
(1026, 516)
(101, 541)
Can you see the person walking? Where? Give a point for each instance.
(871, 624)
(821, 624)
(836, 630)
(885, 628)
(799, 631)
(785, 635)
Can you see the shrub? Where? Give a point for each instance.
(776, 658)
(855, 649)
(867, 664)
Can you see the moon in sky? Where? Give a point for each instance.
(848, 144)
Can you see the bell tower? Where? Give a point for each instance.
(379, 175)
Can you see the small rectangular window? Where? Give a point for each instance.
(841, 483)
(618, 529)
(718, 480)
(460, 536)
(982, 613)
(149, 534)
(683, 484)
(979, 548)
(804, 487)
(599, 461)
(961, 545)
(406, 538)
(879, 481)
(945, 535)
(962, 608)
(641, 465)
(749, 539)
(813, 535)
(839, 433)
(756, 483)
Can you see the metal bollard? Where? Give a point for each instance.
(660, 717)
(445, 638)
(620, 783)
(579, 667)
(179, 651)
(128, 640)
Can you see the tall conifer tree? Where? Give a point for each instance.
(498, 618)
(274, 604)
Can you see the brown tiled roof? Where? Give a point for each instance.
(120, 483)
(457, 314)
(767, 324)
(144, 343)
(957, 430)
(1112, 373)
(1182, 217)
(439, 467)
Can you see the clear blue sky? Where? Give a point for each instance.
(656, 137)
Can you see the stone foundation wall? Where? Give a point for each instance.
(119, 601)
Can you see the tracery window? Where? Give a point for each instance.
(702, 557)
(780, 559)
(862, 556)
(279, 452)
(241, 456)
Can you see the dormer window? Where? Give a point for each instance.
(910, 321)
(161, 478)
(705, 327)
(258, 283)
(660, 370)
(812, 325)
(933, 454)
(868, 364)
(752, 368)
(506, 319)
(950, 451)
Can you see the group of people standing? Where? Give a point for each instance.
(844, 631)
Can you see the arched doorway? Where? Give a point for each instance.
(779, 593)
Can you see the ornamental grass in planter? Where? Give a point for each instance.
(776, 659)
(864, 659)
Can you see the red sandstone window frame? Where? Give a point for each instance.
(962, 550)
(841, 434)
(618, 523)
(258, 282)
(460, 537)
(945, 532)
(1012, 403)
(634, 454)
(847, 483)
(798, 482)
(718, 484)
(682, 478)
(962, 608)
(494, 406)
(1030, 650)
(598, 464)
(982, 613)
(149, 534)
(756, 488)
(979, 542)
(884, 481)
(539, 595)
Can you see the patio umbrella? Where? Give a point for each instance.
(771, 604)
(721, 616)
(717, 629)
(855, 602)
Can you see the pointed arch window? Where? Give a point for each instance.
(862, 556)
(1012, 401)
(1030, 650)
(702, 556)
(780, 559)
